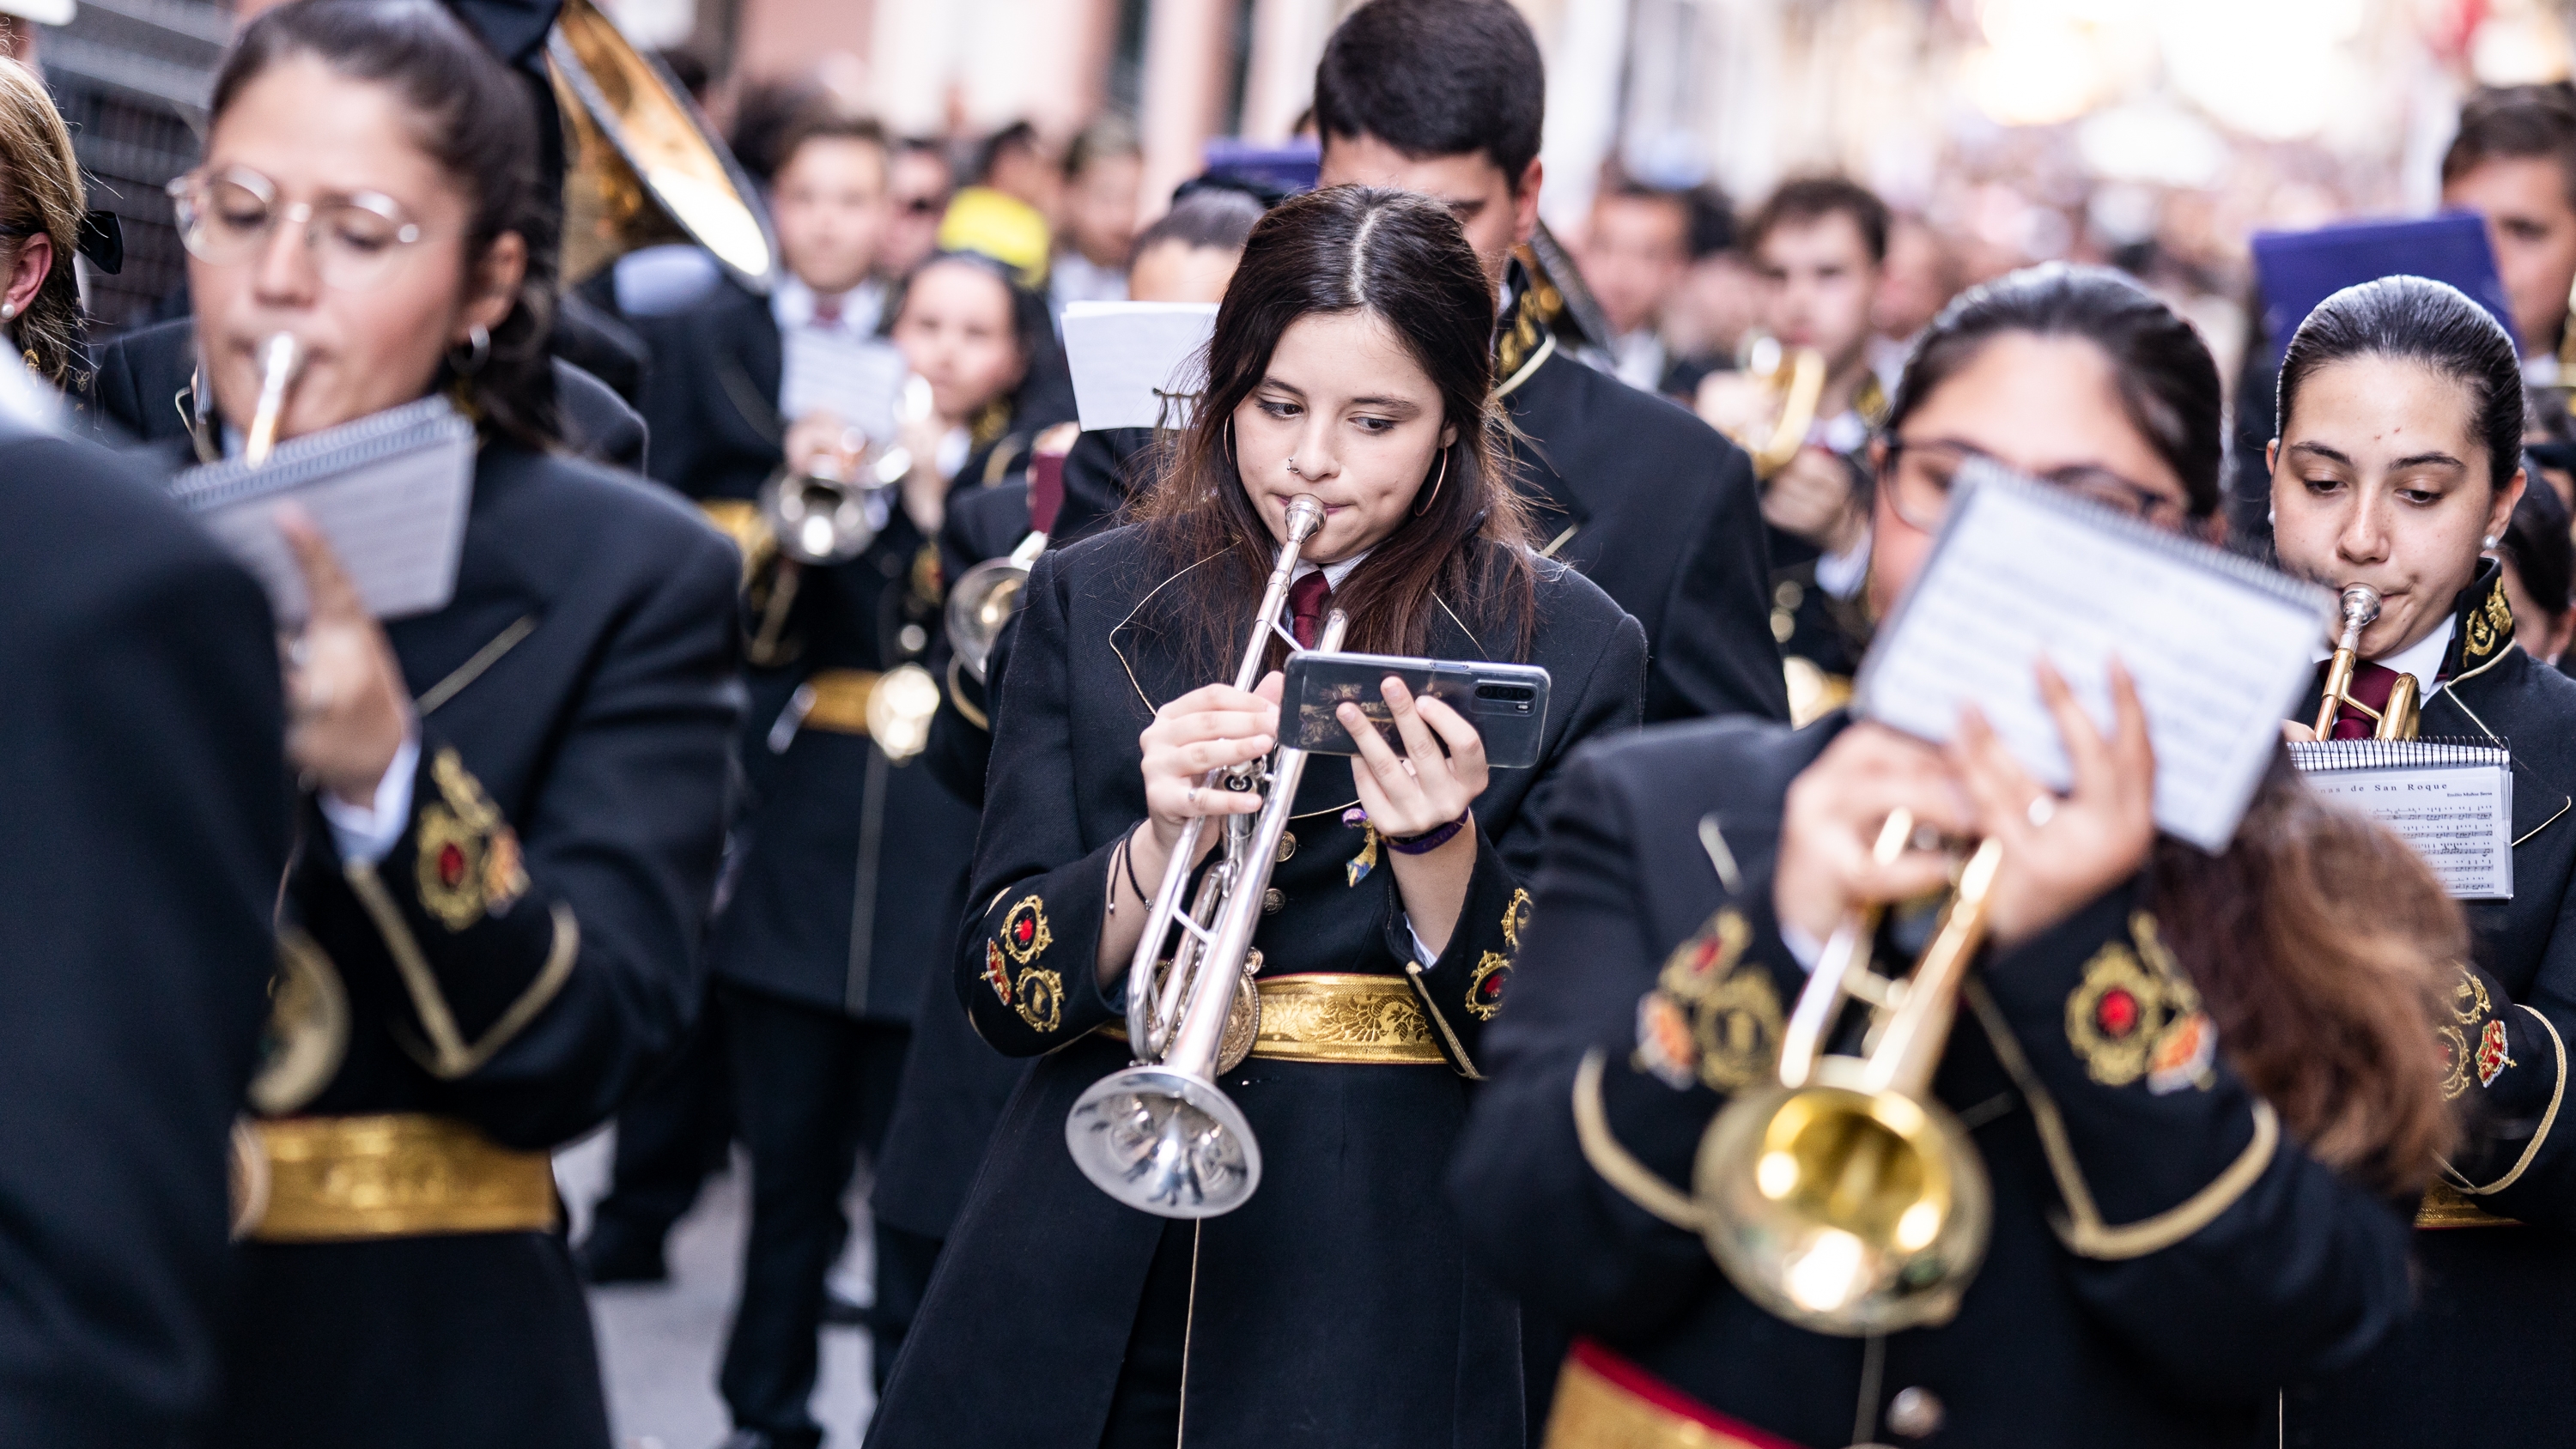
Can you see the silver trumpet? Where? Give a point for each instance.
(280, 357)
(821, 518)
(1159, 1135)
(985, 599)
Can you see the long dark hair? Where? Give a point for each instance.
(2316, 938)
(2167, 381)
(1401, 259)
(473, 117)
(2416, 319)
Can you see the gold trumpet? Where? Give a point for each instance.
(2396, 720)
(1159, 1135)
(1769, 406)
(1845, 1198)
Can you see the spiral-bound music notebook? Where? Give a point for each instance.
(1136, 364)
(2221, 647)
(2450, 799)
(389, 491)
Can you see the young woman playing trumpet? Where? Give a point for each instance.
(513, 804)
(1351, 366)
(2398, 466)
(2191, 1079)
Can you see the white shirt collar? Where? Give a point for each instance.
(2423, 658)
(1333, 573)
(792, 303)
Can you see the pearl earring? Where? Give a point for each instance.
(8, 310)
(2490, 543)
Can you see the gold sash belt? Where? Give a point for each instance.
(1605, 1402)
(841, 700)
(1361, 1020)
(401, 1175)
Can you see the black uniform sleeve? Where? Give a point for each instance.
(1465, 988)
(2507, 1078)
(1717, 654)
(141, 753)
(2193, 1229)
(1027, 966)
(550, 962)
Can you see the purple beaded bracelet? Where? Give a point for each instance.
(1429, 840)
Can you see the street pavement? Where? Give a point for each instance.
(659, 1345)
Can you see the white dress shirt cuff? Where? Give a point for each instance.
(365, 833)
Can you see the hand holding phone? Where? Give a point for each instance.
(1507, 703)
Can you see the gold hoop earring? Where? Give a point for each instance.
(1435, 485)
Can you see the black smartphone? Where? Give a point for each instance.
(1507, 703)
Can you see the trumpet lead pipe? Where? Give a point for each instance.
(279, 357)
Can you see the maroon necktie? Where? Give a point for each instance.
(827, 311)
(2370, 685)
(1306, 600)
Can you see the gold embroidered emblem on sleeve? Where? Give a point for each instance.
(1024, 930)
(468, 861)
(1712, 1016)
(2135, 1015)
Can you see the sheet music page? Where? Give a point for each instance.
(1128, 358)
(2221, 648)
(2453, 803)
(390, 492)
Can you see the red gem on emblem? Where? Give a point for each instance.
(451, 865)
(2491, 1058)
(1024, 931)
(1492, 989)
(2117, 1016)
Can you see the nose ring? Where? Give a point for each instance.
(1292, 467)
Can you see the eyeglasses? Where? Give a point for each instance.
(226, 218)
(1918, 478)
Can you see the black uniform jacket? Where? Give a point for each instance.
(1660, 511)
(524, 955)
(1335, 1307)
(141, 755)
(2490, 1354)
(954, 1084)
(145, 382)
(2156, 1270)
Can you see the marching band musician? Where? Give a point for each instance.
(1351, 361)
(2192, 1079)
(514, 804)
(2399, 460)
(841, 900)
(1446, 98)
(1820, 246)
(954, 1085)
(143, 747)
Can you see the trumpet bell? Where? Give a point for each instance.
(1845, 1211)
(817, 520)
(1164, 1142)
(985, 598)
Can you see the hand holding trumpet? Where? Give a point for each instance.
(2060, 852)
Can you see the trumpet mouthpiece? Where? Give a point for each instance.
(2360, 605)
(1305, 515)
